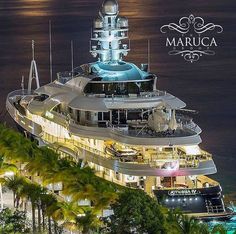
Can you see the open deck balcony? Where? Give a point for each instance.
(134, 156)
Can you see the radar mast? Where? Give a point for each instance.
(33, 72)
(109, 31)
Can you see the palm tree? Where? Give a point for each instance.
(16, 184)
(55, 171)
(47, 202)
(4, 168)
(80, 183)
(88, 222)
(66, 211)
(44, 160)
(173, 218)
(106, 194)
(189, 225)
(33, 192)
(25, 189)
(204, 229)
(14, 146)
(219, 229)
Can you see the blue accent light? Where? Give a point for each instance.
(119, 72)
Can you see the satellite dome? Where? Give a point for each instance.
(98, 23)
(110, 7)
(122, 22)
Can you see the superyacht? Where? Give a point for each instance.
(111, 115)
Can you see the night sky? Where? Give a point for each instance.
(207, 85)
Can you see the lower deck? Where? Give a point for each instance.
(198, 195)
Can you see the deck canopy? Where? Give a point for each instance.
(88, 104)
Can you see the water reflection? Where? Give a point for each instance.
(229, 225)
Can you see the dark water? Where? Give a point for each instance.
(230, 225)
(208, 85)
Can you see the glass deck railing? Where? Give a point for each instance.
(203, 182)
(158, 161)
(141, 95)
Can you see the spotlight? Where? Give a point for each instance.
(190, 199)
(173, 199)
(196, 198)
(167, 200)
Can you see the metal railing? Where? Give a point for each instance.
(117, 97)
(158, 162)
(215, 209)
(201, 180)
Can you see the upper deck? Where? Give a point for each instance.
(135, 132)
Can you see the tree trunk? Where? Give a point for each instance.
(1, 196)
(25, 206)
(85, 231)
(39, 219)
(55, 227)
(49, 225)
(43, 220)
(33, 217)
(14, 199)
(17, 202)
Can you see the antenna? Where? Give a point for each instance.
(23, 84)
(33, 71)
(32, 49)
(149, 64)
(50, 48)
(72, 58)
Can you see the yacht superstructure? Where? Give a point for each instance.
(111, 115)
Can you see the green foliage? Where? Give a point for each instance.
(78, 183)
(219, 229)
(13, 222)
(189, 225)
(6, 167)
(136, 212)
(88, 222)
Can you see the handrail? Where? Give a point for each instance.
(117, 97)
(19, 92)
(153, 163)
(211, 182)
(215, 209)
